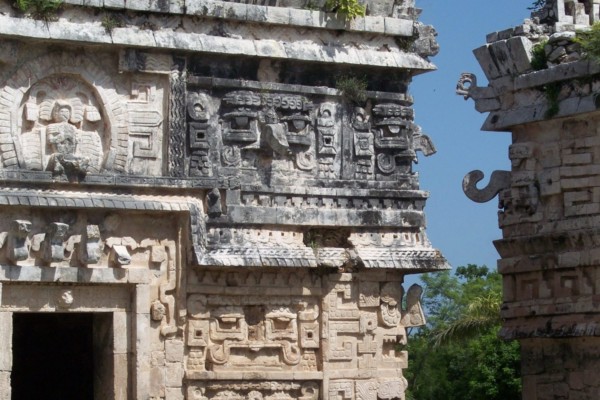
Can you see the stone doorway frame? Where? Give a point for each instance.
(128, 303)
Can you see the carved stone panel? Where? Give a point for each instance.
(68, 114)
(231, 333)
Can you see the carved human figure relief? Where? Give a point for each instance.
(61, 128)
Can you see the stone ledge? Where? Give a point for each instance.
(403, 98)
(93, 200)
(569, 239)
(253, 375)
(275, 191)
(261, 14)
(550, 306)
(409, 260)
(104, 275)
(550, 327)
(252, 215)
(116, 180)
(555, 74)
(503, 120)
(63, 31)
(254, 291)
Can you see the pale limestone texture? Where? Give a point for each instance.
(550, 200)
(238, 227)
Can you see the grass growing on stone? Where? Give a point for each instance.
(539, 60)
(353, 89)
(347, 9)
(110, 22)
(590, 42)
(40, 9)
(552, 90)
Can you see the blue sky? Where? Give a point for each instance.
(461, 229)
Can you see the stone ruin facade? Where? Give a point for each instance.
(550, 199)
(192, 202)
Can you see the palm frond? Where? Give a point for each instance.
(481, 314)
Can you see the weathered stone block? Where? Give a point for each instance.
(520, 50)
(174, 350)
(114, 4)
(174, 375)
(5, 388)
(487, 63)
(6, 325)
(278, 15)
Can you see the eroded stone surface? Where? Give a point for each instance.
(213, 180)
(549, 200)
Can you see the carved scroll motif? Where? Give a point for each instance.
(466, 83)
(499, 180)
(165, 255)
(17, 240)
(54, 246)
(284, 333)
(145, 122)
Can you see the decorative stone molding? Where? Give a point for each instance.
(549, 259)
(192, 175)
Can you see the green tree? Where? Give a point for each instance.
(469, 360)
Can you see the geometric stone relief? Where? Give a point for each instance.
(254, 390)
(335, 331)
(230, 333)
(145, 122)
(199, 110)
(274, 137)
(67, 114)
(365, 324)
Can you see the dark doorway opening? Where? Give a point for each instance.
(55, 355)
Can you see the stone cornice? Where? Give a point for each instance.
(90, 32)
(267, 15)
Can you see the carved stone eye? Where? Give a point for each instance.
(394, 129)
(241, 122)
(298, 124)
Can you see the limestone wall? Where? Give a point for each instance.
(228, 188)
(549, 200)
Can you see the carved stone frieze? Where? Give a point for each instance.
(74, 118)
(337, 325)
(254, 390)
(280, 334)
(238, 223)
